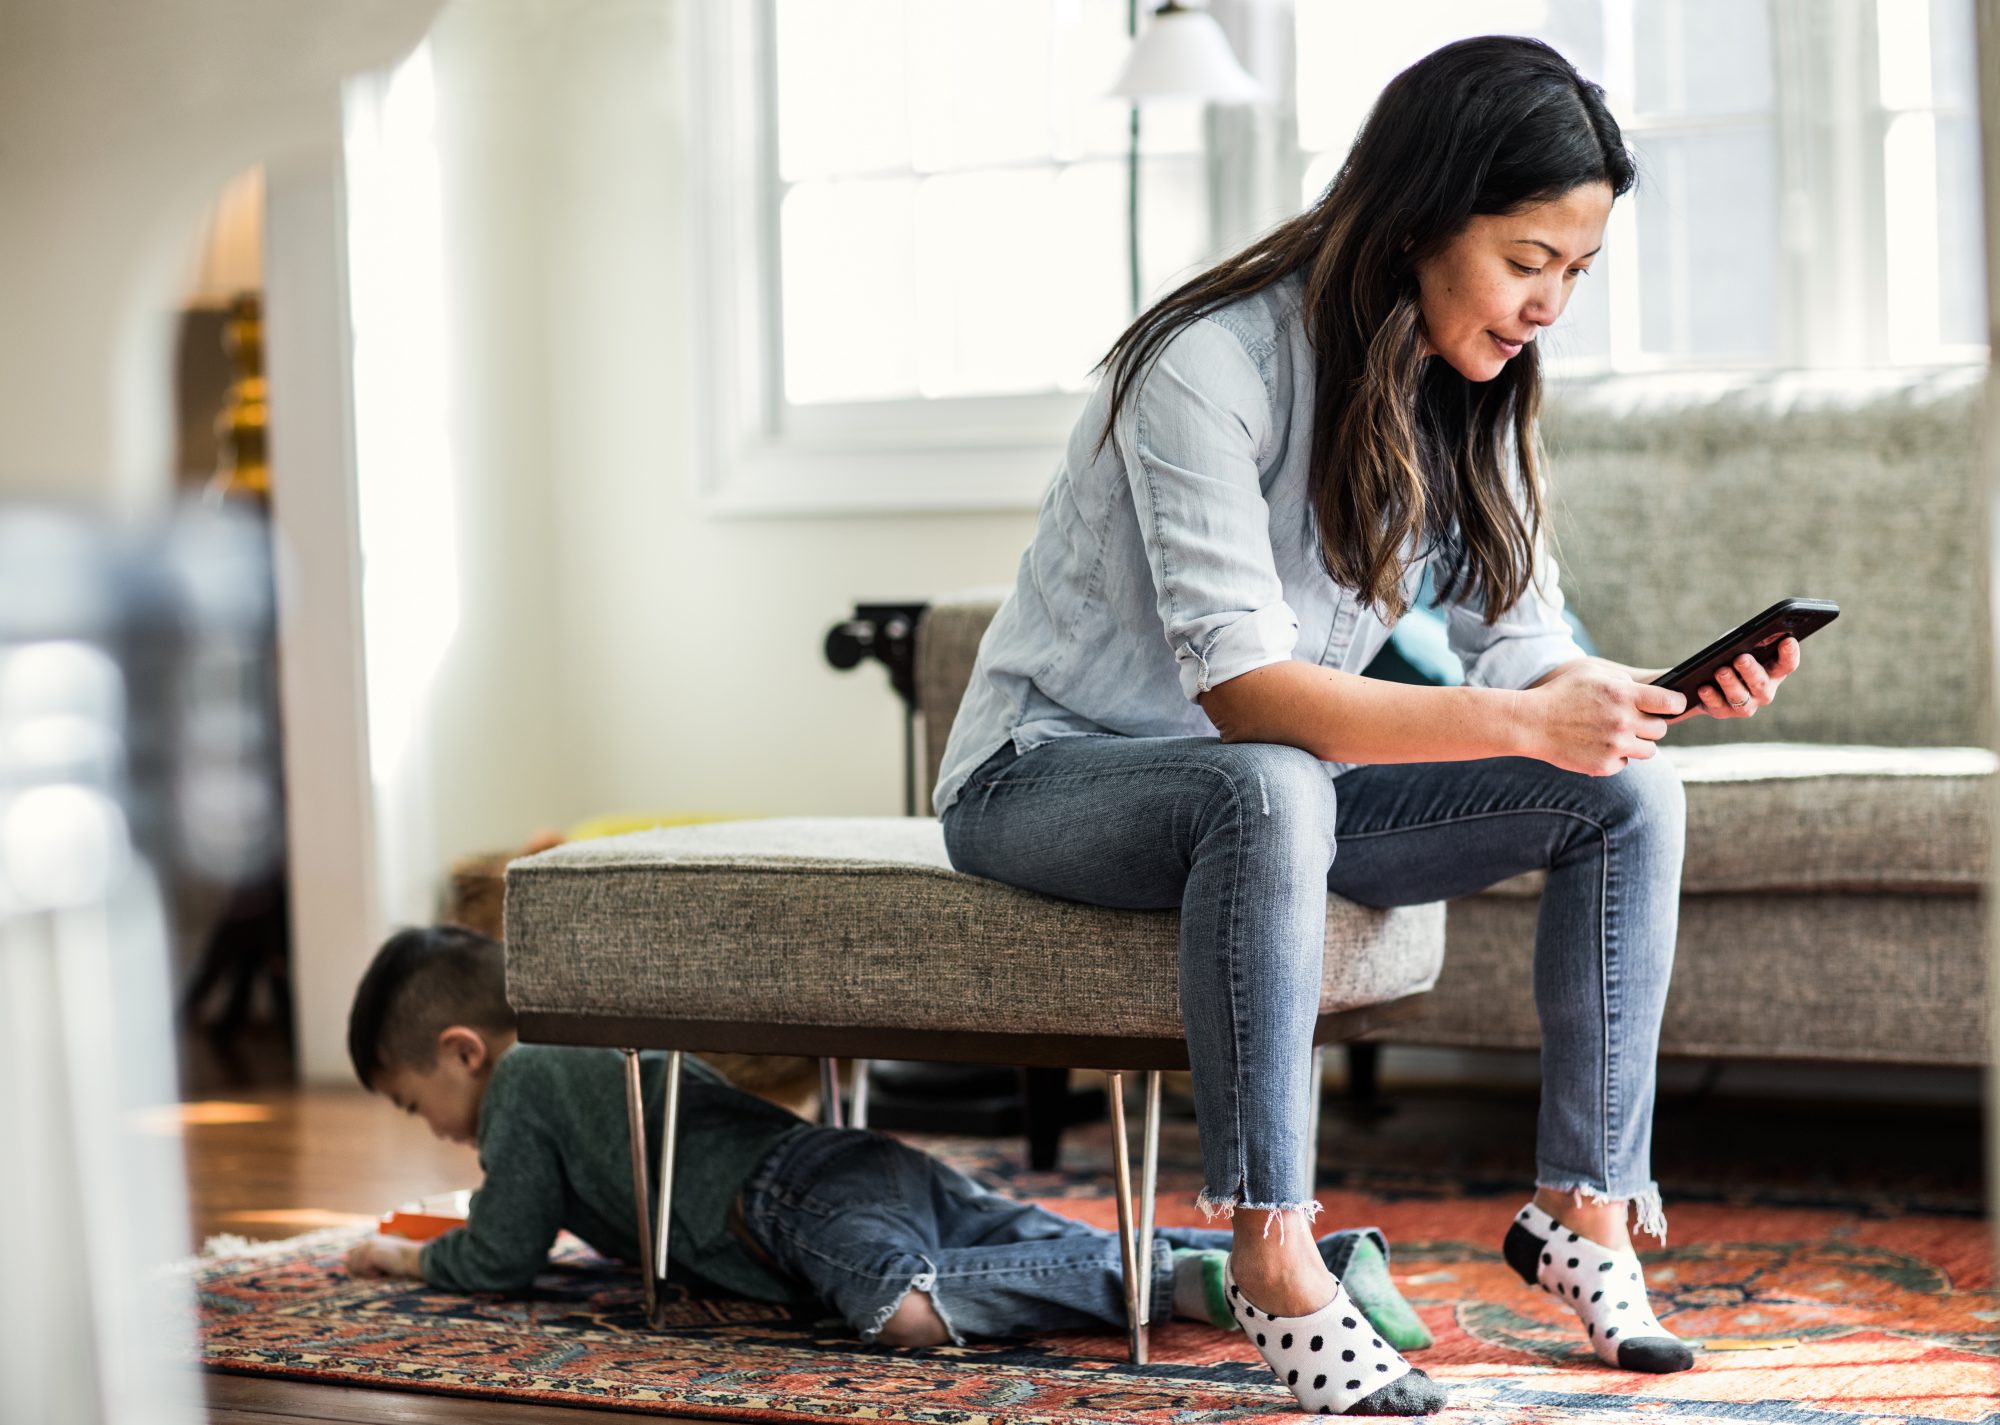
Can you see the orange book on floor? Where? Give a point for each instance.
(421, 1219)
(417, 1226)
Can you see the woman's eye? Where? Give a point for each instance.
(1579, 272)
(1525, 270)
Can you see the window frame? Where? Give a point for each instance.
(755, 454)
(1829, 127)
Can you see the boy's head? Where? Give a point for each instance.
(430, 1019)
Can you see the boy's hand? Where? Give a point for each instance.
(385, 1257)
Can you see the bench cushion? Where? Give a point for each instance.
(1791, 816)
(860, 921)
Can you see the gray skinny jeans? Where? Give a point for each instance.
(1246, 839)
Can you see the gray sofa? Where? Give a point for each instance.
(1832, 900)
(1832, 903)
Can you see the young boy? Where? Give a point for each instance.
(907, 1250)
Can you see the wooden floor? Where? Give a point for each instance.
(274, 1162)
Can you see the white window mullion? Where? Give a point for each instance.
(770, 190)
(1829, 188)
(755, 454)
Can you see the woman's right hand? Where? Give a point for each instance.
(1593, 717)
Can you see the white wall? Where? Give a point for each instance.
(617, 647)
(123, 122)
(687, 648)
(493, 756)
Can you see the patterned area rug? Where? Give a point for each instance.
(1842, 1313)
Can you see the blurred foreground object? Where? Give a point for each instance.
(134, 734)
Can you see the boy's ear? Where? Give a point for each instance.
(462, 1045)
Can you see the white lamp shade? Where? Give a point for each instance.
(1183, 54)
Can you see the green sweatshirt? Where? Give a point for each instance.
(556, 1153)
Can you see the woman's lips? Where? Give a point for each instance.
(1507, 348)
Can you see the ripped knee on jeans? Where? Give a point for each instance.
(914, 1323)
(912, 1320)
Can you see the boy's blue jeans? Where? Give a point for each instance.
(1246, 839)
(863, 1220)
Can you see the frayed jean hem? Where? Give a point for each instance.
(1647, 1214)
(1213, 1206)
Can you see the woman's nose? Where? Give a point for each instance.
(1545, 303)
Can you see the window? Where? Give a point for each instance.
(910, 215)
(928, 250)
(950, 196)
(1928, 115)
(1808, 190)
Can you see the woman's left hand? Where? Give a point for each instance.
(1747, 684)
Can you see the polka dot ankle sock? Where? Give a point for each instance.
(1606, 1290)
(1333, 1361)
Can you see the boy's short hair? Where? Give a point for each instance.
(421, 982)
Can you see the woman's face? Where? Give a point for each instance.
(1492, 288)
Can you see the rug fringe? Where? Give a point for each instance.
(230, 1246)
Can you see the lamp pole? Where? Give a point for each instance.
(1132, 173)
(1185, 57)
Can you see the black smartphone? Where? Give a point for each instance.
(1760, 636)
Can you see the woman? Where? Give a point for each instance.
(1279, 450)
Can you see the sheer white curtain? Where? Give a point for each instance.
(404, 475)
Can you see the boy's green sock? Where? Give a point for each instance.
(1198, 1291)
(1356, 1257)
(1363, 1268)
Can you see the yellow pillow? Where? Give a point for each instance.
(618, 823)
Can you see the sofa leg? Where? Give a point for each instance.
(1364, 1065)
(1045, 1107)
(1121, 1166)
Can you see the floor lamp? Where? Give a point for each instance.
(1182, 58)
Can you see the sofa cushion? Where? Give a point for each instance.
(860, 921)
(1890, 979)
(1790, 816)
(1683, 504)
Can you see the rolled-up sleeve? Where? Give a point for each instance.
(1190, 437)
(1529, 639)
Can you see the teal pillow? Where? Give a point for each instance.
(1418, 650)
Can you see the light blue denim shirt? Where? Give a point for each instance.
(1186, 556)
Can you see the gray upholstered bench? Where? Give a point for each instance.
(854, 938)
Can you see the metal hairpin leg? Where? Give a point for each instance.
(859, 1114)
(652, 1245)
(635, 1129)
(1138, 1280)
(670, 1116)
(829, 1092)
(1149, 1181)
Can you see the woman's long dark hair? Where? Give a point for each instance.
(1403, 448)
